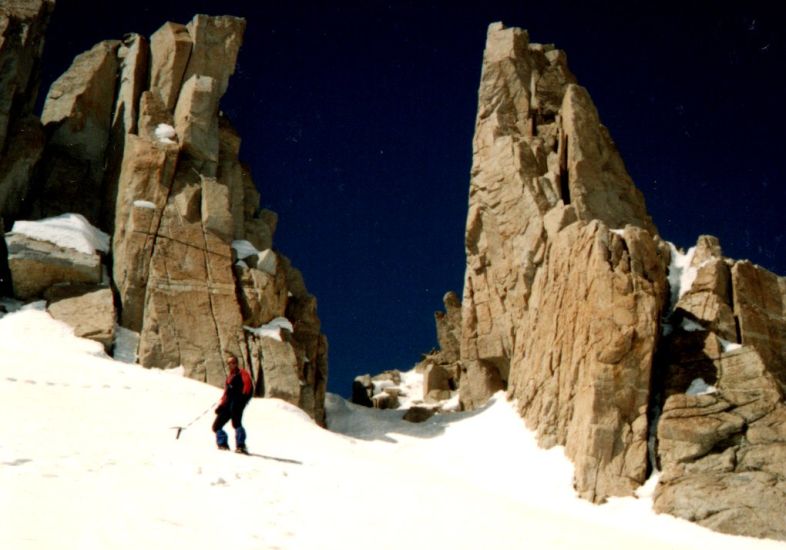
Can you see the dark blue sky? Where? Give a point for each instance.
(357, 121)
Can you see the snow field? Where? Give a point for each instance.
(88, 459)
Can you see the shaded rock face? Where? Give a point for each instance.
(133, 140)
(22, 27)
(573, 304)
(77, 119)
(441, 368)
(449, 328)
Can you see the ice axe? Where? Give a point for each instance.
(200, 415)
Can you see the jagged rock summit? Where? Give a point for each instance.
(633, 355)
(131, 140)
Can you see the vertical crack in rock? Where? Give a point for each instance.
(564, 177)
(210, 290)
(147, 174)
(132, 58)
(172, 326)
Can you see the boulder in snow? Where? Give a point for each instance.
(436, 378)
(419, 414)
(37, 265)
(91, 314)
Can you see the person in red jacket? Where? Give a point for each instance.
(237, 394)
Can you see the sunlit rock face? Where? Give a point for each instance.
(631, 354)
(133, 140)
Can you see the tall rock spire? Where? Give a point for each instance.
(565, 278)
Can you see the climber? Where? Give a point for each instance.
(237, 394)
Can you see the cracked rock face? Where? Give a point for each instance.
(582, 362)
(135, 143)
(22, 28)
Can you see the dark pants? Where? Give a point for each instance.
(234, 412)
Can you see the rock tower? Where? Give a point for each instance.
(131, 138)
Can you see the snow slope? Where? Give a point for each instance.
(88, 459)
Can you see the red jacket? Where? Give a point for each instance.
(238, 388)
